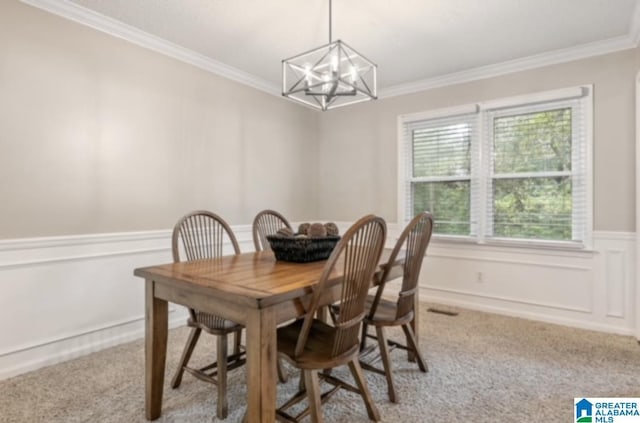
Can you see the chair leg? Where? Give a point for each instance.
(323, 314)
(186, 355)
(313, 392)
(356, 371)
(301, 384)
(386, 362)
(363, 337)
(236, 345)
(282, 374)
(223, 408)
(412, 344)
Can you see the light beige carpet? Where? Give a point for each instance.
(483, 368)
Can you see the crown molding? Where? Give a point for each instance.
(531, 62)
(84, 16)
(87, 17)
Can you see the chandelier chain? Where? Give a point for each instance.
(330, 22)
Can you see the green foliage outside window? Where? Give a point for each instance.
(530, 175)
(449, 201)
(534, 207)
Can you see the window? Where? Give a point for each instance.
(514, 170)
(440, 178)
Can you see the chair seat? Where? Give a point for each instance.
(214, 324)
(318, 351)
(386, 313)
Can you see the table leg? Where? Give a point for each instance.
(156, 318)
(261, 365)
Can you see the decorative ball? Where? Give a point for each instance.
(317, 230)
(332, 228)
(285, 232)
(302, 229)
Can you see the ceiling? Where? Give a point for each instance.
(412, 41)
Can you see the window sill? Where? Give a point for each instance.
(532, 247)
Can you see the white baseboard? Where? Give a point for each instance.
(508, 310)
(28, 358)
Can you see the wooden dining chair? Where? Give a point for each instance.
(203, 235)
(382, 312)
(267, 222)
(312, 345)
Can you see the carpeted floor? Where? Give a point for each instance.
(483, 368)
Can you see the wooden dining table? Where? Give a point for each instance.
(253, 289)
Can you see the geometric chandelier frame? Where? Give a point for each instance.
(330, 76)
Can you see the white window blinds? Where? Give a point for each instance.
(536, 172)
(439, 154)
(513, 170)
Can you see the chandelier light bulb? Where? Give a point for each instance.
(334, 63)
(354, 74)
(307, 74)
(327, 82)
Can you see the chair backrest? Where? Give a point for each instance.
(267, 222)
(357, 253)
(414, 240)
(203, 236)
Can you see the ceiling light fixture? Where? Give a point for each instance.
(330, 76)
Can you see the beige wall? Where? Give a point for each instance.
(358, 168)
(99, 135)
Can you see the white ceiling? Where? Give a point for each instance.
(410, 40)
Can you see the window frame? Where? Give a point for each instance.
(480, 166)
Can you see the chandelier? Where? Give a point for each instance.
(329, 76)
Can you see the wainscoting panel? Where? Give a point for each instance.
(586, 289)
(63, 297)
(615, 282)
